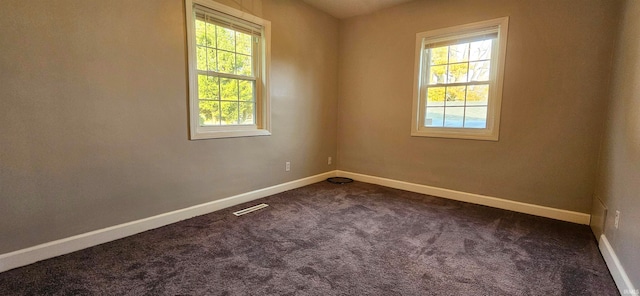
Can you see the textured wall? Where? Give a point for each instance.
(619, 182)
(93, 114)
(555, 90)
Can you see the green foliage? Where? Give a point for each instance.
(209, 112)
(224, 101)
(208, 87)
(234, 100)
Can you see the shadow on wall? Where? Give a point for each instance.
(632, 112)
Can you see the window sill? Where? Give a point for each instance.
(229, 134)
(481, 134)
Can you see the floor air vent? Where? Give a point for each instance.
(339, 180)
(249, 210)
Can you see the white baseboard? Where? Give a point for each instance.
(78, 242)
(558, 214)
(615, 267)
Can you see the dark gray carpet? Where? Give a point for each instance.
(327, 239)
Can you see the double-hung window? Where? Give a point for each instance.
(228, 53)
(458, 81)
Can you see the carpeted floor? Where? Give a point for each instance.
(327, 239)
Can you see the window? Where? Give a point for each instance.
(458, 81)
(228, 53)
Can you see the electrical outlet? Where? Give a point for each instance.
(617, 221)
(287, 166)
(329, 160)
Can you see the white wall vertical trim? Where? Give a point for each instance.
(615, 267)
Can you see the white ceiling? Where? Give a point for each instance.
(348, 8)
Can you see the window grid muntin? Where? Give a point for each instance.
(235, 76)
(428, 63)
(235, 53)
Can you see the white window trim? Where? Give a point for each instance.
(263, 103)
(491, 132)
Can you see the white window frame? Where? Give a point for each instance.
(262, 93)
(491, 132)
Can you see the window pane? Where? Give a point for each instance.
(439, 55)
(455, 95)
(229, 89)
(201, 38)
(478, 95)
(435, 96)
(211, 35)
(459, 53)
(480, 50)
(454, 117)
(243, 65)
(247, 113)
(208, 87)
(475, 117)
(243, 43)
(458, 72)
(211, 59)
(479, 71)
(229, 113)
(438, 74)
(246, 90)
(226, 62)
(225, 38)
(209, 112)
(201, 57)
(434, 116)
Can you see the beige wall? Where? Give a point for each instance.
(93, 114)
(619, 182)
(555, 90)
